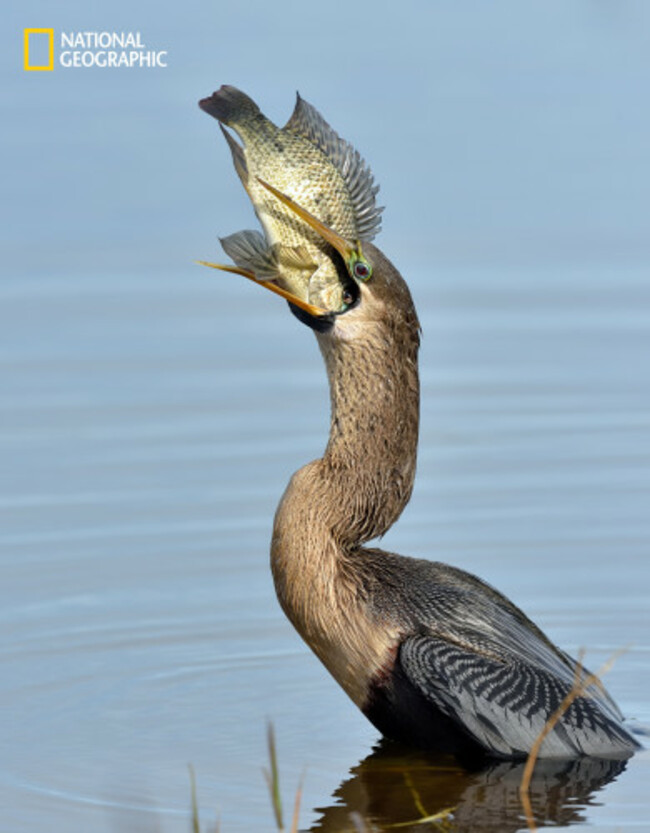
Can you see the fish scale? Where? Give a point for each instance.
(310, 163)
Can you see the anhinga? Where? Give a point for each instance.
(432, 655)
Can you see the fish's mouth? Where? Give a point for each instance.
(351, 254)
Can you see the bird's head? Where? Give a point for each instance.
(374, 293)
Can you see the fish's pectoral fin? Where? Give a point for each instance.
(250, 251)
(294, 257)
(328, 289)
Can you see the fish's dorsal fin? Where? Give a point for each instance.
(238, 158)
(307, 122)
(249, 250)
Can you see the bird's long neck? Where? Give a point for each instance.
(369, 462)
(360, 486)
(355, 492)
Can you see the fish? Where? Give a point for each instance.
(312, 165)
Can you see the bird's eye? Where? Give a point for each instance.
(362, 270)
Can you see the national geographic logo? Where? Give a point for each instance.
(83, 50)
(46, 38)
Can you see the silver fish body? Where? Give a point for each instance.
(310, 163)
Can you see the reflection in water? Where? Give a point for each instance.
(395, 786)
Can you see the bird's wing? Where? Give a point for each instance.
(504, 705)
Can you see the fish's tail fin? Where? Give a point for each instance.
(229, 105)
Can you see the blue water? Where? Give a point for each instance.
(152, 413)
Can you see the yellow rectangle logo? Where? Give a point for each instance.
(50, 63)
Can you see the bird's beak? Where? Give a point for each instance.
(350, 252)
(316, 312)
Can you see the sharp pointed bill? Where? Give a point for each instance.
(356, 263)
(256, 261)
(343, 246)
(311, 309)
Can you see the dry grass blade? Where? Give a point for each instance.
(196, 827)
(273, 778)
(196, 824)
(579, 687)
(296, 805)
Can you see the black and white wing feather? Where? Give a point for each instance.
(504, 705)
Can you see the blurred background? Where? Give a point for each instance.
(152, 411)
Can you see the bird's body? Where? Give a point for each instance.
(432, 655)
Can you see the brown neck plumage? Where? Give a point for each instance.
(360, 486)
(369, 462)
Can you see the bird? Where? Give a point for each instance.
(432, 655)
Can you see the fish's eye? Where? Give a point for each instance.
(361, 270)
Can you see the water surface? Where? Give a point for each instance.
(152, 413)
